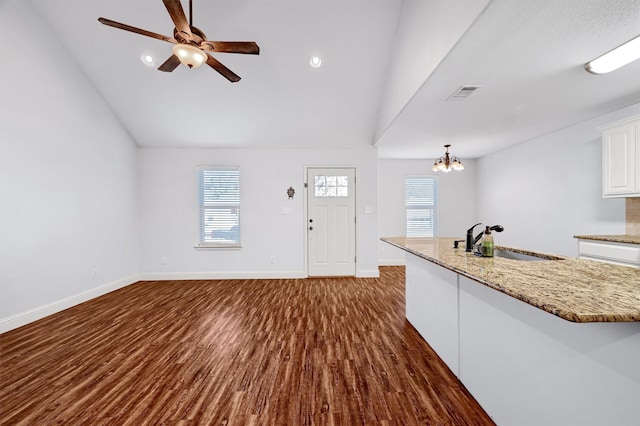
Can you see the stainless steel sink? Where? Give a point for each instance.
(516, 255)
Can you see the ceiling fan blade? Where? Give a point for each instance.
(170, 64)
(247, 47)
(126, 27)
(174, 7)
(226, 72)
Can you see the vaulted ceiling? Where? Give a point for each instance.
(388, 67)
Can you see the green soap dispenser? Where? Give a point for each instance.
(486, 244)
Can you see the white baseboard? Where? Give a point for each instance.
(229, 275)
(368, 273)
(391, 262)
(24, 318)
(27, 317)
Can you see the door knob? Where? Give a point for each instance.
(310, 220)
(311, 228)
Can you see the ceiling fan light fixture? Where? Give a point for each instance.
(616, 58)
(189, 55)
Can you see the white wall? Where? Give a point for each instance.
(549, 189)
(456, 202)
(67, 179)
(169, 212)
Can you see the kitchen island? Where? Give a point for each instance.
(536, 342)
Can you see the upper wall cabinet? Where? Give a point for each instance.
(621, 158)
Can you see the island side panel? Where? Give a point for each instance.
(528, 367)
(432, 307)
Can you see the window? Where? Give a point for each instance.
(219, 199)
(420, 205)
(331, 186)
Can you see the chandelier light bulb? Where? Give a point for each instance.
(457, 165)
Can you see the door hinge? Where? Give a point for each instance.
(355, 259)
(306, 185)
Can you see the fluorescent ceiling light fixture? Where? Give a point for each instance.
(616, 58)
(189, 55)
(315, 61)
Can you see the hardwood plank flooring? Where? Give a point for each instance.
(318, 351)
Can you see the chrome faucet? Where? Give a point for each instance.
(471, 240)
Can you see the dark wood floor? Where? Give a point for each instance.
(232, 352)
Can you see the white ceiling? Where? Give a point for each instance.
(526, 55)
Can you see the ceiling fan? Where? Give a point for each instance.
(191, 46)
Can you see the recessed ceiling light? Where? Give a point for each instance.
(147, 59)
(315, 61)
(616, 58)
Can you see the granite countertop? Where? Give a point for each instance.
(576, 290)
(630, 239)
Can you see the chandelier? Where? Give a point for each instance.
(447, 162)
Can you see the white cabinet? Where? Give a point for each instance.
(611, 252)
(621, 158)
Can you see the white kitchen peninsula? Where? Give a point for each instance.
(553, 342)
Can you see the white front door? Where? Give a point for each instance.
(331, 221)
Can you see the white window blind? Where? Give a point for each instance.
(219, 199)
(420, 206)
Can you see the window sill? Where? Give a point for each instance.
(218, 247)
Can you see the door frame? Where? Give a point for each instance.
(306, 214)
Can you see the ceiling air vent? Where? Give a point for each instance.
(463, 93)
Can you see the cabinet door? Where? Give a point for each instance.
(619, 160)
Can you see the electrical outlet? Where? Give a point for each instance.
(95, 272)
(273, 259)
(163, 260)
